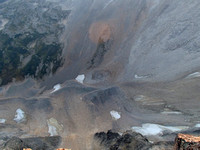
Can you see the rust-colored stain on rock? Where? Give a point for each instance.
(99, 30)
(187, 142)
(189, 138)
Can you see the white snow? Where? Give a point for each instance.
(115, 115)
(52, 130)
(56, 88)
(20, 116)
(193, 75)
(155, 129)
(140, 77)
(171, 113)
(80, 78)
(2, 120)
(4, 22)
(197, 126)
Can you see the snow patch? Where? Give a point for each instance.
(140, 77)
(52, 130)
(120, 133)
(155, 129)
(56, 88)
(115, 115)
(197, 126)
(193, 75)
(171, 113)
(80, 78)
(2, 120)
(3, 23)
(20, 116)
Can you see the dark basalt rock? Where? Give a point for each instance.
(128, 141)
(98, 56)
(14, 144)
(107, 139)
(39, 143)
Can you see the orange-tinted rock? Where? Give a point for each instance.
(187, 142)
(99, 30)
(63, 149)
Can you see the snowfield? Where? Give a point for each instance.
(156, 129)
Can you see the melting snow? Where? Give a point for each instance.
(171, 113)
(115, 115)
(193, 75)
(20, 116)
(54, 127)
(197, 126)
(140, 77)
(2, 120)
(52, 130)
(4, 22)
(155, 129)
(56, 88)
(80, 78)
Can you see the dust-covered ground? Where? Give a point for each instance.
(77, 111)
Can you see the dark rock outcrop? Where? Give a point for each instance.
(128, 141)
(39, 143)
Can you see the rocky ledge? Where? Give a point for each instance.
(127, 141)
(37, 143)
(107, 141)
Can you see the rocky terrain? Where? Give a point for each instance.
(29, 35)
(128, 141)
(75, 69)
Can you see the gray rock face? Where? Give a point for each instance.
(151, 40)
(142, 40)
(165, 45)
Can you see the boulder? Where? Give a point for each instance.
(37, 143)
(128, 141)
(187, 142)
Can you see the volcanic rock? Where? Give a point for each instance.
(37, 143)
